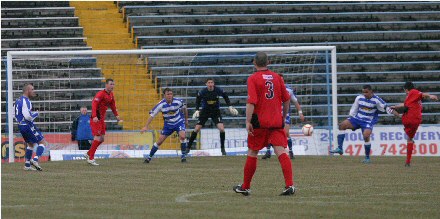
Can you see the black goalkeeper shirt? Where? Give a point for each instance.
(209, 99)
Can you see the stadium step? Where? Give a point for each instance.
(108, 38)
(104, 35)
(135, 93)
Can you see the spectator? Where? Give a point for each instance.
(81, 130)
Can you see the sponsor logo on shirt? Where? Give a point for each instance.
(267, 77)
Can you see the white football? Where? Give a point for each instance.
(307, 130)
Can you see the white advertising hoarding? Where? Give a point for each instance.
(386, 140)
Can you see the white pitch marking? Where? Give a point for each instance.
(184, 198)
(18, 206)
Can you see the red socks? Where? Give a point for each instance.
(409, 151)
(251, 166)
(91, 152)
(286, 166)
(249, 170)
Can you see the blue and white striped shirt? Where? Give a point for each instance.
(172, 113)
(367, 110)
(23, 111)
(293, 98)
(292, 94)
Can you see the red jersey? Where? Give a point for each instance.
(100, 104)
(414, 104)
(266, 90)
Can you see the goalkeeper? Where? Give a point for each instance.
(208, 98)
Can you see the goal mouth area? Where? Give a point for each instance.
(143, 55)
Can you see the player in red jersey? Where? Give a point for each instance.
(100, 103)
(265, 122)
(412, 115)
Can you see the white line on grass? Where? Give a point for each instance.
(19, 206)
(185, 198)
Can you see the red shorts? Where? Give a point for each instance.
(411, 128)
(98, 128)
(264, 137)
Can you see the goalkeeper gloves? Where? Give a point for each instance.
(233, 111)
(196, 114)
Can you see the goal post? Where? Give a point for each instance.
(177, 63)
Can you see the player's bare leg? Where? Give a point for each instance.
(183, 145)
(286, 167)
(344, 125)
(90, 155)
(193, 137)
(367, 145)
(221, 128)
(249, 170)
(155, 147)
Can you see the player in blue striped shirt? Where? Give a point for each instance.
(364, 114)
(175, 116)
(31, 134)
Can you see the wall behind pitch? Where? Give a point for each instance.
(386, 140)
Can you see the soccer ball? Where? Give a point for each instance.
(307, 130)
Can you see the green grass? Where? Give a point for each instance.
(327, 187)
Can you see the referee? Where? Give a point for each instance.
(208, 98)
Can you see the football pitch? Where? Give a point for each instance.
(327, 187)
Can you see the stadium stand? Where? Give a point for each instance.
(380, 43)
(112, 34)
(373, 40)
(49, 25)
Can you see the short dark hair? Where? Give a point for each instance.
(83, 107)
(408, 85)
(367, 86)
(108, 80)
(261, 59)
(166, 90)
(209, 79)
(25, 86)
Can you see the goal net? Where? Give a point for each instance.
(65, 81)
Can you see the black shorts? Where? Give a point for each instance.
(215, 115)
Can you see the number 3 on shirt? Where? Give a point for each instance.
(269, 85)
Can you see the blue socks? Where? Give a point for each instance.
(155, 147)
(289, 143)
(183, 149)
(367, 150)
(341, 138)
(153, 150)
(28, 156)
(40, 150)
(268, 149)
